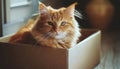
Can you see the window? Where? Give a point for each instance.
(17, 12)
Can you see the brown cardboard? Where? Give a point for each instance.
(85, 55)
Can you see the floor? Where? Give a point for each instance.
(110, 50)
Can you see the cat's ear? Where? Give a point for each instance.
(42, 9)
(70, 9)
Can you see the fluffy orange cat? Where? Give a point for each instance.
(56, 28)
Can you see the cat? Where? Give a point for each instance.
(56, 28)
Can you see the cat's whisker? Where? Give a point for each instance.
(49, 34)
(39, 39)
(35, 44)
(77, 14)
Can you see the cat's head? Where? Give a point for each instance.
(55, 23)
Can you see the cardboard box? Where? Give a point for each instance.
(85, 55)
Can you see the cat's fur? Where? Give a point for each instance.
(55, 28)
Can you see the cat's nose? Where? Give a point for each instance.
(57, 32)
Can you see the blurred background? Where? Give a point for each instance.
(100, 14)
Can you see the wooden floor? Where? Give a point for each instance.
(110, 50)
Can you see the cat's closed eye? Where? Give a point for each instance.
(63, 23)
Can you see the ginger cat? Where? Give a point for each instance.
(56, 28)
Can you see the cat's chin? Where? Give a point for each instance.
(61, 35)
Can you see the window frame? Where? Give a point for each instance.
(1, 16)
(0, 19)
